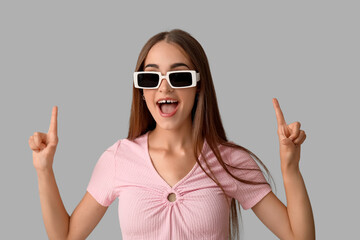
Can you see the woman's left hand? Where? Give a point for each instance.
(290, 140)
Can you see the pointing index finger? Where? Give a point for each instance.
(279, 115)
(53, 121)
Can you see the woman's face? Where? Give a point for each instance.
(164, 57)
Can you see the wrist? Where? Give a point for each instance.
(290, 169)
(44, 172)
(290, 173)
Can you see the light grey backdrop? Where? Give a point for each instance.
(80, 55)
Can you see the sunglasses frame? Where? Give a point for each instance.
(195, 77)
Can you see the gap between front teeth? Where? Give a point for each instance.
(167, 101)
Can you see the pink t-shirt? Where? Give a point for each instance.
(125, 171)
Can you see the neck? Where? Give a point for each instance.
(173, 139)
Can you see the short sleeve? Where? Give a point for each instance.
(246, 193)
(101, 185)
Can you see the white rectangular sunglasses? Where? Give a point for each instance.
(176, 79)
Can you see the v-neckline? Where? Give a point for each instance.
(156, 172)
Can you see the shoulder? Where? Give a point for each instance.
(236, 155)
(114, 146)
(128, 145)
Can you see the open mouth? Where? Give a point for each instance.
(167, 107)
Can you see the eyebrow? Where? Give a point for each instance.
(171, 67)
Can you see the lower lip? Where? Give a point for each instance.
(168, 114)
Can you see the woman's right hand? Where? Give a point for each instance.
(44, 145)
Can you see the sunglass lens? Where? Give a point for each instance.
(148, 80)
(181, 79)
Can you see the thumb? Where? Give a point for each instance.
(286, 142)
(42, 146)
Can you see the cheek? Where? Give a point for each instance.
(149, 99)
(190, 99)
(149, 95)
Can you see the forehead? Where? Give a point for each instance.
(164, 54)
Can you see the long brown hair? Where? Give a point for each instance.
(206, 120)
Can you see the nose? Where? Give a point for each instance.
(164, 86)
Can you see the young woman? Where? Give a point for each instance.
(176, 175)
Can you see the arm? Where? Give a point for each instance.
(58, 223)
(292, 222)
(295, 221)
(55, 217)
(85, 217)
(298, 206)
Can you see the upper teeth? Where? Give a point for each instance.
(167, 101)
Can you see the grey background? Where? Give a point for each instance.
(80, 55)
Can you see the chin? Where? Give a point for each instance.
(173, 123)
